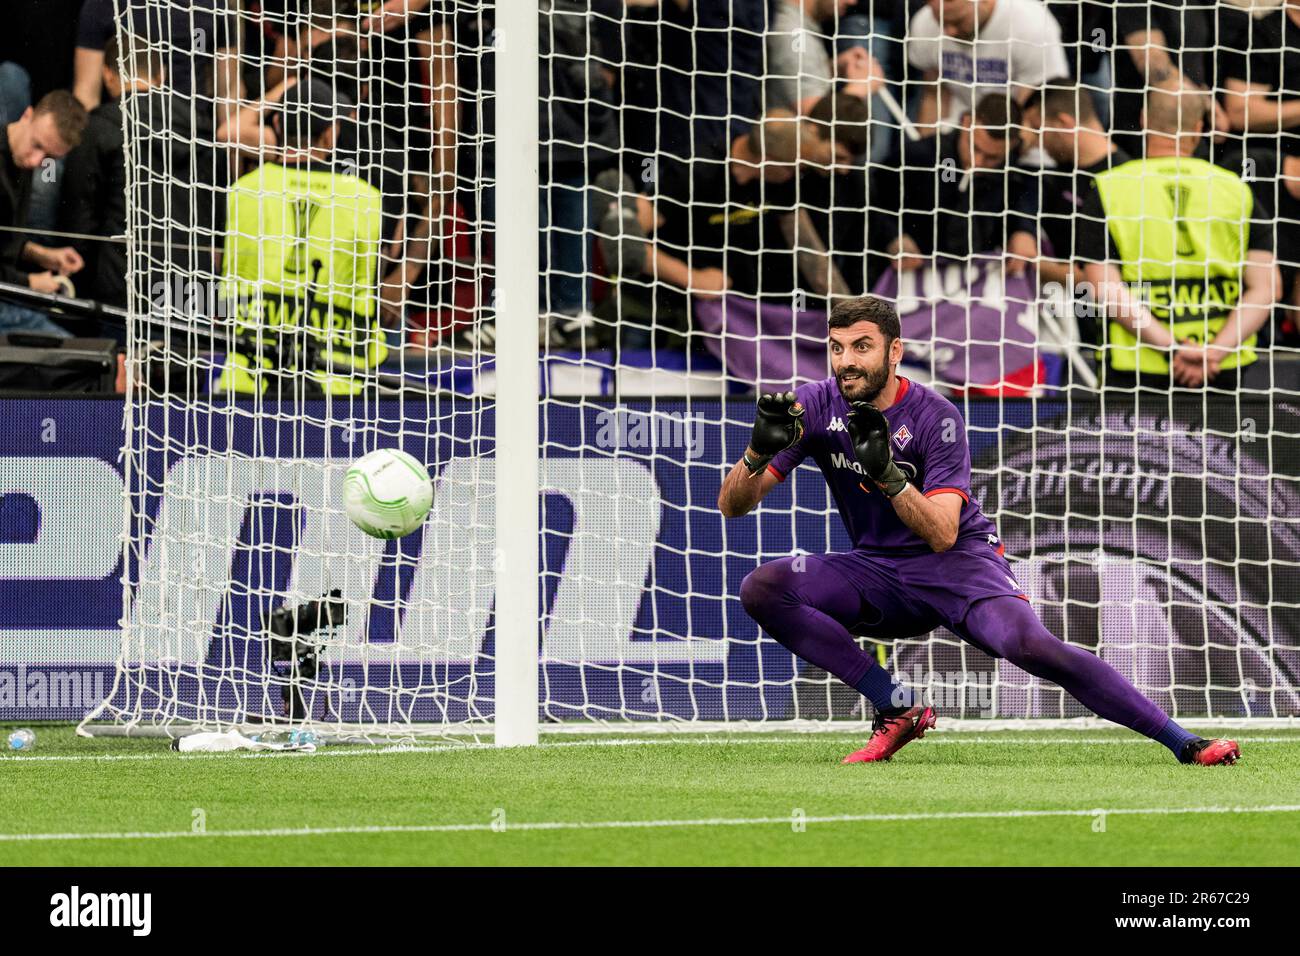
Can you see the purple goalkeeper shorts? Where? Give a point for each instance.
(905, 596)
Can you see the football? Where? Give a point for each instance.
(387, 493)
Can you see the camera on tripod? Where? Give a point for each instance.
(290, 629)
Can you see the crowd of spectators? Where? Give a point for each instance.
(784, 152)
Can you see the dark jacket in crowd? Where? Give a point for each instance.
(579, 122)
(947, 212)
(578, 125)
(15, 194)
(176, 195)
(93, 202)
(692, 80)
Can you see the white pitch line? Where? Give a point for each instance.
(364, 751)
(646, 824)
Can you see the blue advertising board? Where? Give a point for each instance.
(640, 571)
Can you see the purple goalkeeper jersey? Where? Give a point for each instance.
(928, 440)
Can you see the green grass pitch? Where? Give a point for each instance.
(971, 798)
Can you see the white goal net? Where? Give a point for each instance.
(341, 238)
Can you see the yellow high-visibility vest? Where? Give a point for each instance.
(1181, 227)
(302, 258)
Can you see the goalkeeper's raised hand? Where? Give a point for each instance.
(869, 432)
(778, 424)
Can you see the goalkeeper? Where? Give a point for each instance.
(301, 261)
(895, 457)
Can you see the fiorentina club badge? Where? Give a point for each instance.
(902, 436)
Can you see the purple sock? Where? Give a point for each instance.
(883, 691)
(1009, 627)
(1175, 738)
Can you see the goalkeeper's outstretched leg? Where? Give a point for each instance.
(1008, 627)
(810, 603)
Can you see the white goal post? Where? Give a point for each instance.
(518, 395)
(553, 249)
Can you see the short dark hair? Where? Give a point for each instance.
(307, 110)
(339, 61)
(868, 308)
(998, 114)
(1062, 97)
(844, 117)
(136, 58)
(775, 138)
(69, 115)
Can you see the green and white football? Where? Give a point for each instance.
(387, 493)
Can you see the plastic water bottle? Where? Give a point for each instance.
(22, 739)
(300, 738)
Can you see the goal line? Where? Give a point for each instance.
(388, 733)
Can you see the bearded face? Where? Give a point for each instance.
(860, 361)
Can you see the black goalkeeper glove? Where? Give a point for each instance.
(869, 433)
(778, 424)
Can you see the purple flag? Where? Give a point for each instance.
(970, 323)
(771, 346)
